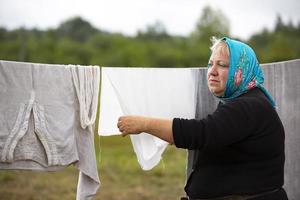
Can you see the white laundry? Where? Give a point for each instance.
(86, 80)
(44, 112)
(153, 92)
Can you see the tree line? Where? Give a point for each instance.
(76, 41)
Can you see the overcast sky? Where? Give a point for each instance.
(128, 16)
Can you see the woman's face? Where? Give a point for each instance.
(217, 73)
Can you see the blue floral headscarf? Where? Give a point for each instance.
(244, 71)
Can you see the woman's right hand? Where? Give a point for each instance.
(132, 124)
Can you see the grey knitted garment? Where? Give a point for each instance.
(40, 119)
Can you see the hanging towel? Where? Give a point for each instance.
(152, 92)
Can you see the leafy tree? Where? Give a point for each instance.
(77, 29)
(283, 43)
(211, 22)
(156, 31)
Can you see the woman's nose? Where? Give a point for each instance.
(213, 70)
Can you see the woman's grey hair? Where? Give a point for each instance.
(218, 46)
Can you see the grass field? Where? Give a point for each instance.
(120, 175)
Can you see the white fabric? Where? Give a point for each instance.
(153, 92)
(86, 81)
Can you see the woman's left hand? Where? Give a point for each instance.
(132, 124)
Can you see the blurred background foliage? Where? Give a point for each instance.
(76, 41)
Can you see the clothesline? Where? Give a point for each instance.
(54, 105)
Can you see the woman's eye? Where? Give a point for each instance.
(222, 65)
(209, 65)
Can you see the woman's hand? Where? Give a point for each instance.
(161, 128)
(132, 124)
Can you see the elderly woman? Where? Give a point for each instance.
(241, 144)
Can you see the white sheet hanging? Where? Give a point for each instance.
(153, 92)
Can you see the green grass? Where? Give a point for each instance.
(120, 174)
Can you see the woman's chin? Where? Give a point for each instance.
(216, 93)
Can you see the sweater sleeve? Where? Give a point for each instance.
(230, 123)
